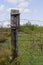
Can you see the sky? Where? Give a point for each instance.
(29, 9)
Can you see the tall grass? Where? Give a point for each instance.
(30, 52)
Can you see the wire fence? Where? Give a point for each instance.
(6, 23)
(30, 47)
(30, 42)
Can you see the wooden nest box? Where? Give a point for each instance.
(15, 18)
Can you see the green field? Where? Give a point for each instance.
(30, 48)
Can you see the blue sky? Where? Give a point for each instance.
(29, 9)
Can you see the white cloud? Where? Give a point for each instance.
(15, 1)
(24, 4)
(22, 10)
(1, 7)
(21, 3)
(12, 1)
(26, 11)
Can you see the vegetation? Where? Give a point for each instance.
(30, 46)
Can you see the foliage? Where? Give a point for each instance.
(30, 46)
(28, 28)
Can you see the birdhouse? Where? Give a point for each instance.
(15, 18)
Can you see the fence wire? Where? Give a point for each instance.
(30, 42)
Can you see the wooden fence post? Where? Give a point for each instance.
(15, 22)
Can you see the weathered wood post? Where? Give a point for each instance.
(15, 22)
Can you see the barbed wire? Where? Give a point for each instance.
(32, 20)
(22, 21)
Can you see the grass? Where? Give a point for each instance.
(30, 49)
(28, 46)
